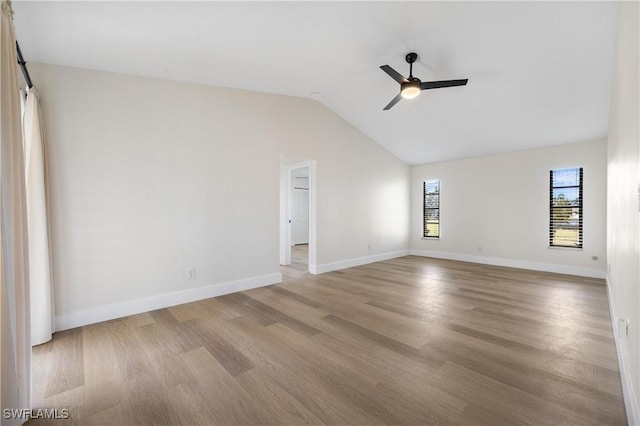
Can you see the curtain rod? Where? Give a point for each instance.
(23, 66)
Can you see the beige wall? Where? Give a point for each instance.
(495, 209)
(362, 190)
(151, 177)
(623, 227)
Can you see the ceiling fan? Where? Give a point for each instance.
(411, 86)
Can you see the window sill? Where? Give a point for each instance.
(566, 248)
(431, 238)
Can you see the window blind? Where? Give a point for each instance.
(565, 207)
(431, 204)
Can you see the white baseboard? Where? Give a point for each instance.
(628, 393)
(146, 304)
(513, 263)
(357, 261)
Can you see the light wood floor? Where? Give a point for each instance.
(300, 257)
(407, 341)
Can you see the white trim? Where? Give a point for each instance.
(357, 261)
(513, 263)
(146, 304)
(313, 216)
(630, 400)
(285, 228)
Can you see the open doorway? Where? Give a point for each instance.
(297, 216)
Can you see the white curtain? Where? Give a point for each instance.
(15, 339)
(37, 221)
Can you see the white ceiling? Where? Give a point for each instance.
(539, 74)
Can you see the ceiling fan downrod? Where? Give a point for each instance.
(411, 58)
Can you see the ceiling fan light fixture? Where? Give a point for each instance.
(410, 90)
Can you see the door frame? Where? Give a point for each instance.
(286, 183)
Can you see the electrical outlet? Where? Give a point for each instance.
(191, 274)
(479, 249)
(369, 247)
(594, 258)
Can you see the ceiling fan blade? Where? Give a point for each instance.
(393, 102)
(444, 83)
(394, 74)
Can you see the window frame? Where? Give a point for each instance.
(579, 207)
(425, 231)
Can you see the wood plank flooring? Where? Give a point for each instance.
(300, 257)
(407, 341)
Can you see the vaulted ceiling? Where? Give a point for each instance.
(540, 73)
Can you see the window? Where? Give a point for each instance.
(431, 199)
(565, 208)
